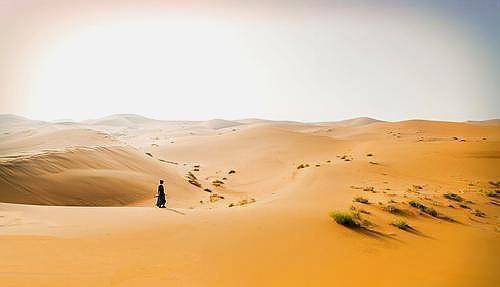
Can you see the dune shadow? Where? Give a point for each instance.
(176, 211)
(416, 232)
(373, 233)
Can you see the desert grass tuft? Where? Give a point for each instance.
(478, 213)
(361, 199)
(494, 183)
(453, 196)
(302, 165)
(394, 209)
(430, 211)
(492, 193)
(401, 224)
(345, 219)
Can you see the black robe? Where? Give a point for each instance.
(161, 196)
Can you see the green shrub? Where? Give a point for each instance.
(361, 199)
(344, 218)
(494, 183)
(429, 210)
(478, 213)
(302, 166)
(492, 193)
(401, 224)
(393, 209)
(463, 206)
(453, 196)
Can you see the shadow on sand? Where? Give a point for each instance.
(173, 210)
(380, 235)
(416, 232)
(373, 233)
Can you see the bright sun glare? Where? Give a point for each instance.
(202, 67)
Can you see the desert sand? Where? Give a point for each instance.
(249, 203)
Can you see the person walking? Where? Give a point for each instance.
(162, 200)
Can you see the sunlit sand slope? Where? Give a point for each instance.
(102, 176)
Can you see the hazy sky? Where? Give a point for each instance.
(293, 60)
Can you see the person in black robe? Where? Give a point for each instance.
(161, 201)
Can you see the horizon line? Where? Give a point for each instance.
(245, 118)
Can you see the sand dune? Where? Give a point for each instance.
(52, 137)
(102, 176)
(486, 122)
(124, 120)
(258, 213)
(220, 124)
(361, 121)
(12, 122)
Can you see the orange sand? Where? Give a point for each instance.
(78, 203)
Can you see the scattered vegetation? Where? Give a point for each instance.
(369, 188)
(492, 193)
(366, 188)
(361, 200)
(394, 209)
(464, 206)
(346, 158)
(478, 213)
(429, 210)
(416, 187)
(167, 161)
(453, 196)
(214, 197)
(344, 218)
(302, 166)
(217, 183)
(243, 202)
(401, 224)
(360, 210)
(494, 183)
(191, 178)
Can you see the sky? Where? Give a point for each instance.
(284, 60)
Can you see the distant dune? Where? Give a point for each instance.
(52, 137)
(486, 122)
(7, 120)
(353, 122)
(123, 120)
(262, 121)
(220, 124)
